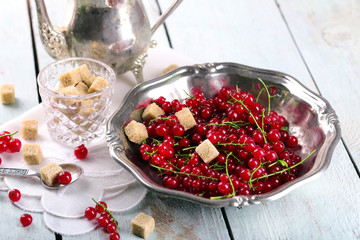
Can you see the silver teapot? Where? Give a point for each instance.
(116, 32)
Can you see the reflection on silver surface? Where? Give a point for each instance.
(311, 118)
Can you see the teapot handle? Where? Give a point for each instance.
(167, 13)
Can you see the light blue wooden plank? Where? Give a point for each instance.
(328, 35)
(16, 60)
(243, 32)
(11, 227)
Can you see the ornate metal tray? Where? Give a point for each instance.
(311, 119)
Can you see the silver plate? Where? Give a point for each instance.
(310, 116)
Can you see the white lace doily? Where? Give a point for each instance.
(103, 178)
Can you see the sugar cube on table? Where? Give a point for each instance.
(29, 129)
(186, 118)
(32, 153)
(142, 225)
(98, 84)
(7, 92)
(207, 151)
(136, 132)
(70, 78)
(152, 111)
(49, 173)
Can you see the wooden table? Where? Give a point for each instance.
(318, 42)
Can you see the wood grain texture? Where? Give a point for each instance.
(16, 60)
(328, 36)
(260, 37)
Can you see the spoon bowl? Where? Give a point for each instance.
(75, 171)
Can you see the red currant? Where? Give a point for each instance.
(90, 213)
(114, 236)
(99, 208)
(6, 138)
(103, 221)
(81, 152)
(14, 145)
(292, 141)
(14, 195)
(26, 219)
(64, 177)
(3, 146)
(111, 227)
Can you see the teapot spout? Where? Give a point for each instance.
(52, 39)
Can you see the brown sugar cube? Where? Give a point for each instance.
(185, 118)
(70, 78)
(84, 72)
(98, 84)
(142, 225)
(7, 92)
(170, 68)
(207, 151)
(82, 88)
(136, 132)
(49, 173)
(29, 129)
(152, 111)
(70, 90)
(32, 154)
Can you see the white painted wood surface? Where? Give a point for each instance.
(241, 31)
(317, 42)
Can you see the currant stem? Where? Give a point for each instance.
(183, 173)
(285, 169)
(10, 134)
(161, 118)
(268, 94)
(262, 131)
(106, 209)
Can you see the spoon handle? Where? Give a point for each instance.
(17, 172)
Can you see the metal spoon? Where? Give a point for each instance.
(75, 170)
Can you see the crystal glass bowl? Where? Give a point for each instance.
(311, 119)
(76, 119)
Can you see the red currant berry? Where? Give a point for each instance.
(111, 227)
(99, 208)
(64, 177)
(5, 138)
(0, 161)
(166, 106)
(26, 219)
(81, 152)
(161, 130)
(3, 146)
(14, 145)
(161, 100)
(14, 195)
(103, 221)
(90, 213)
(224, 188)
(114, 236)
(178, 130)
(292, 141)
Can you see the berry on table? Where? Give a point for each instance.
(26, 219)
(99, 207)
(14, 195)
(81, 152)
